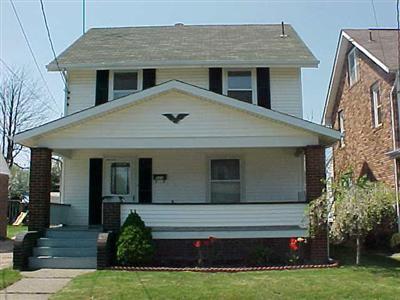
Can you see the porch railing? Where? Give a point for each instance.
(59, 213)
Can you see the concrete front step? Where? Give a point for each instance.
(65, 251)
(54, 262)
(71, 243)
(71, 234)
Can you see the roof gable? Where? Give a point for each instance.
(382, 50)
(325, 134)
(187, 45)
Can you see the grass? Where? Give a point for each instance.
(8, 277)
(377, 278)
(14, 230)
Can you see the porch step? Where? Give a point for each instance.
(54, 262)
(71, 234)
(65, 251)
(66, 248)
(72, 243)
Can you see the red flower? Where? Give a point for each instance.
(293, 244)
(197, 244)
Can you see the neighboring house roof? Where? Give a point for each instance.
(187, 45)
(27, 138)
(3, 166)
(380, 45)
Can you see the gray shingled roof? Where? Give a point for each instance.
(196, 45)
(383, 45)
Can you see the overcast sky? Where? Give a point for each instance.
(317, 22)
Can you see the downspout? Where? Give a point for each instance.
(395, 169)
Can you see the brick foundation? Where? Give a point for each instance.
(111, 216)
(223, 252)
(39, 189)
(105, 250)
(3, 205)
(315, 173)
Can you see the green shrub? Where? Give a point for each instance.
(395, 241)
(262, 256)
(134, 244)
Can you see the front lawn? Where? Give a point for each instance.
(12, 230)
(8, 277)
(379, 277)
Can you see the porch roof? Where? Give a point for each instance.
(326, 136)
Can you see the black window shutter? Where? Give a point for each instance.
(263, 88)
(149, 78)
(145, 180)
(215, 80)
(95, 190)
(102, 86)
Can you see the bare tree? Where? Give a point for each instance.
(20, 109)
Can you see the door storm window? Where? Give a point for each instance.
(124, 83)
(120, 178)
(341, 127)
(352, 66)
(240, 84)
(377, 105)
(225, 180)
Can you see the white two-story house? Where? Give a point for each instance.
(199, 129)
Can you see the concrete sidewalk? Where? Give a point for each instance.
(6, 253)
(40, 284)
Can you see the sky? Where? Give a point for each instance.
(317, 22)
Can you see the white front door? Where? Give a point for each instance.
(119, 179)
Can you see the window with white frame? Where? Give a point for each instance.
(352, 66)
(239, 85)
(120, 178)
(341, 127)
(124, 83)
(225, 180)
(377, 105)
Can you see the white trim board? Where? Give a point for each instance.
(28, 137)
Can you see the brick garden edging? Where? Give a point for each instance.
(228, 270)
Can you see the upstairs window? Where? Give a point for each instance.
(376, 105)
(225, 180)
(352, 66)
(124, 83)
(341, 127)
(239, 85)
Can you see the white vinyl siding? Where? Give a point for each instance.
(143, 121)
(82, 87)
(274, 175)
(197, 77)
(221, 216)
(286, 91)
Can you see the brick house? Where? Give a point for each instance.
(199, 129)
(362, 104)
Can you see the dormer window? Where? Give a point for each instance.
(240, 84)
(124, 83)
(352, 66)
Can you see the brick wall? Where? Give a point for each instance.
(223, 252)
(3, 205)
(23, 247)
(39, 189)
(315, 173)
(365, 146)
(111, 216)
